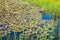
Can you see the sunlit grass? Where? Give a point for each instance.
(51, 6)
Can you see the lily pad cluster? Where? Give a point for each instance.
(25, 22)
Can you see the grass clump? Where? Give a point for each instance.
(51, 6)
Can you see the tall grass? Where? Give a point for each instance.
(51, 6)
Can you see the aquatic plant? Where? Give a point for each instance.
(25, 22)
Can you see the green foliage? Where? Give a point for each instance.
(51, 6)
